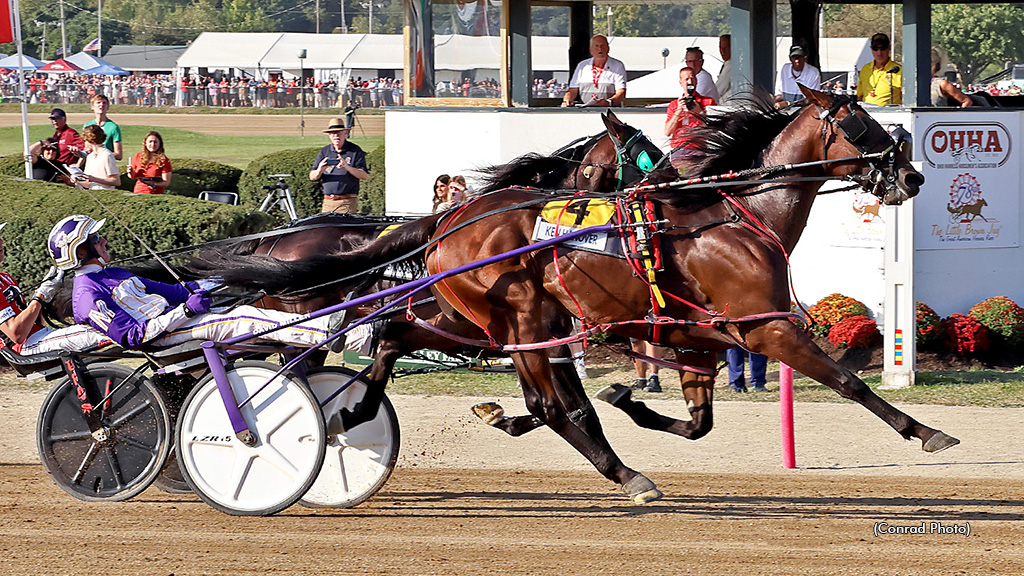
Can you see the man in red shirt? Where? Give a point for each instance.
(685, 112)
(68, 140)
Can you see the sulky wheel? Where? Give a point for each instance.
(358, 461)
(125, 447)
(274, 472)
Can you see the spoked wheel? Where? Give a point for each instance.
(123, 453)
(268, 476)
(358, 461)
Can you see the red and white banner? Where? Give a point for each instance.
(6, 22)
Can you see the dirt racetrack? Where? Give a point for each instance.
(466, 499)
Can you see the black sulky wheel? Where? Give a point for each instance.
(125, 448)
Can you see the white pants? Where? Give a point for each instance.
(72, 339)
(244, 319)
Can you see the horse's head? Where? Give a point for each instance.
(850, 132)
(632, 157)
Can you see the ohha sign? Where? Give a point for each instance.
(960, 145)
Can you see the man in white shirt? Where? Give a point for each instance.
(599, 80)
(724, 81)
(796, 71)
(705, 84)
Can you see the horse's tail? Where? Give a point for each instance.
(319, 273)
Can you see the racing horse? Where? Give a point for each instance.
(724, 268)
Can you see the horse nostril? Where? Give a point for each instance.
(914, 179)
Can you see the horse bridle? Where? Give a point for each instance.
(883, 173)
(632, 160)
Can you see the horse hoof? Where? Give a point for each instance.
(613, 393)
(641, 490)
(939, 442)
(490, 412)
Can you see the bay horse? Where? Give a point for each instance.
(724, 257)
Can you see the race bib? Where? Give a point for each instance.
(579, 212)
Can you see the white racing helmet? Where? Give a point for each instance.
(67, 236)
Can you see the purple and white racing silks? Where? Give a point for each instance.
(135, 311)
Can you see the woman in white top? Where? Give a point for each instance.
(100, 167)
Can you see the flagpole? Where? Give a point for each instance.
(16, 25)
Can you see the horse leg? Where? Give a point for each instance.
(698, 390)
(567, 411)
(782, 340)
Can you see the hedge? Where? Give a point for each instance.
(307, 195)
(190, 177)
(31, 208)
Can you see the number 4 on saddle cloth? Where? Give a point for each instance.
(639, 244)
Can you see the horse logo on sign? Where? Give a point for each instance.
(965, 201)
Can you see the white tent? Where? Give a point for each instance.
(84, 60)
(27, 62)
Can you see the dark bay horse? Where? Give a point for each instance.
(724, 273)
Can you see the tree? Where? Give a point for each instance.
(979, 37)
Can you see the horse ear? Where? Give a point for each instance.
(613, 124)
(820, 98)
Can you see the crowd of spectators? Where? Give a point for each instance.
(196, 90)
(466, 88)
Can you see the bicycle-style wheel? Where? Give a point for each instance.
(268, 476)
(123, 454)
(358, 461)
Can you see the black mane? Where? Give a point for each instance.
(537, 170)
(734, 139)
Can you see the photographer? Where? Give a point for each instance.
(340, 166)
(686, 112)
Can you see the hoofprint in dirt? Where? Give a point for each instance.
(459, 522)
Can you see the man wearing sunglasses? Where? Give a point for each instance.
(881, 80)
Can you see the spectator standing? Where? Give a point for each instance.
(880, 81)
(647, 378)
(68, 140)
(758, 369)
(724, 81)
(685, 112)
(705, 84)
(944, 92)
(100, 167)
(150, 168)
(340, 166)
(441, 196)
(599, 80)
(796, 71)
(100, 104)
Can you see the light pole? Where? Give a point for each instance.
(609, 21)
(43, 24)
(302, 94)
(664, 58)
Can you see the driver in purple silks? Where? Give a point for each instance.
(135, 311)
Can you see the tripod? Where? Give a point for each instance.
(279, 196)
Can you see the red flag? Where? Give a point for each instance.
(6, 31)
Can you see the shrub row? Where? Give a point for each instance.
(994, 323)
(31, 208)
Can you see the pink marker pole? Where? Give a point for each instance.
(786, 410)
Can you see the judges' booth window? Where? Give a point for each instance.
(454, 52)
(549, 52)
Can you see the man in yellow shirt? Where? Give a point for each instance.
(881, 80)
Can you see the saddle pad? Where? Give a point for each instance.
(579, 212)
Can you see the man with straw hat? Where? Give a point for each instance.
(340, 166)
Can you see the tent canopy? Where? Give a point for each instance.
(60, 65)
(84, 60)
(105, 70)
(27, 62)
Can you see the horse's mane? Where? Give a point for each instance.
(536, 170)
(734, 139)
